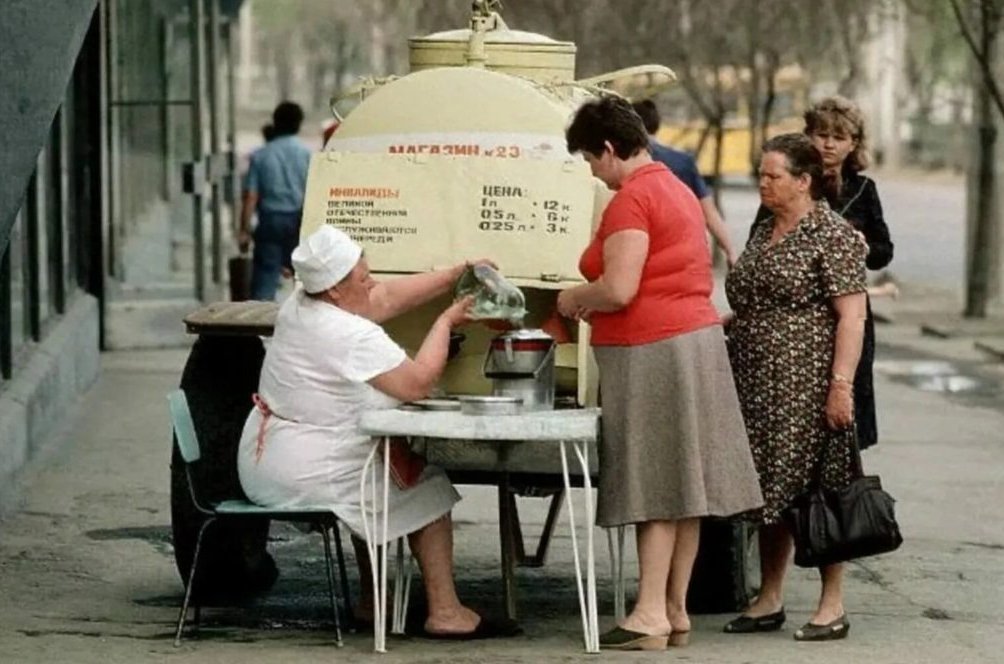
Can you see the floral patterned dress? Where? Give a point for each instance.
(781, 344)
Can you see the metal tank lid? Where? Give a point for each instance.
(489, 43)
(498, 36)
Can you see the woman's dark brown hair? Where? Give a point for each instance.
(607, 119)
(841, 116)
(803, 159)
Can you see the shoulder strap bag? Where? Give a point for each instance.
(832, 526)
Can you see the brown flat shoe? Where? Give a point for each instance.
(625, 639)
(748, 624)
(831, 631)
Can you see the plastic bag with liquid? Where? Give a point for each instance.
(495, 298)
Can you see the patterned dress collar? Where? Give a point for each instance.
(818, 215)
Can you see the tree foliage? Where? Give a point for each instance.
(727, 53)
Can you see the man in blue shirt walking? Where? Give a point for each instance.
(685, 168)
(274, 187)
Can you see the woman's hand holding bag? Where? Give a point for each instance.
(836, 525)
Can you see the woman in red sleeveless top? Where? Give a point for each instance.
(674, 447)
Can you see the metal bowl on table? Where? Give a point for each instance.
(482, 405)
(440, 404)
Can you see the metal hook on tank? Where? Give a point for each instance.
(486, 7)
(360, 88)
(484, 19)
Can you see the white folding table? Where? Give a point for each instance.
(578, 427)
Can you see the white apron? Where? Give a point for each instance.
(313, 381)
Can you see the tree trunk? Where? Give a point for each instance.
(978, 287)
(716, 174)
(708, 126)
(767, 113)
(754, 58)
(978, 290)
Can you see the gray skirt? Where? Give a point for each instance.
(674, 445)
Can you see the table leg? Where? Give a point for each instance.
(375, 527)
(402, 589)
(617, 569)
(544, 543)
(582, 451)
(587, 595)
(508, 547)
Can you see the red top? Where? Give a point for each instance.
(674, 295)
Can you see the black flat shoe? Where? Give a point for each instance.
(831, 631)
(625, 639)
(748, 624)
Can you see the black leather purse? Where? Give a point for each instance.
(834, 526)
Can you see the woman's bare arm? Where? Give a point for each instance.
(624, 255)
(396, 296)
(850, 311)
(716, 226)
(414, 379)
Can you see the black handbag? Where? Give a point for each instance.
(836, 525)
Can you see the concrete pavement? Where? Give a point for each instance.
(87, 573)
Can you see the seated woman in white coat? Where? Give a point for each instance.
(329, 360)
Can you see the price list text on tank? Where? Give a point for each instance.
(503, 209)
(370, 215)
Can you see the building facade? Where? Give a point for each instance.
(117, 191)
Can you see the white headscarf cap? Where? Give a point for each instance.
(324, 258)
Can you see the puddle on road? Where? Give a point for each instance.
(939, 376)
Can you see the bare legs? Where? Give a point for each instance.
(433, 547)
(831, 600)
(666, 552)
(775, 551)
(688, 534)
(655, 541)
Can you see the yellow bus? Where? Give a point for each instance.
(685, 133)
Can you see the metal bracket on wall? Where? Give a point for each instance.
(193, 177)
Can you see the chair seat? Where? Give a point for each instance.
(244, 507)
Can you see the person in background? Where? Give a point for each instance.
(674, 447)
(837, 129)
(273, 188)
(798, 297)
(330, 361)
(684, 167)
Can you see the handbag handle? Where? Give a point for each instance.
(857, 469)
